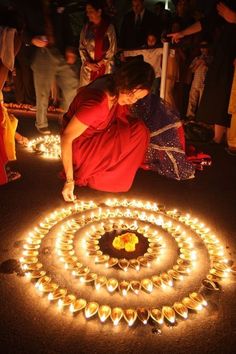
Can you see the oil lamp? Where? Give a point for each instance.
(147, 285)
(104, 312)
(116, 315)
(124, 287)
(180, 309)
(157, 315)
(100, 281)
(77, 305)
(91, 309)
(168, 313)
(130, 316)
(143, 314)
(112, 284)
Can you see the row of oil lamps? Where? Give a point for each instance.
(219, 262)
(153, 251)
(215, 251)
(64, 245)
(34, 270)
(48, 146)
(193, 302)
(186, 254)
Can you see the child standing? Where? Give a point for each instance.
(151, 43)
(199, 67)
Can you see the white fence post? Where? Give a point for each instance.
(164, 69)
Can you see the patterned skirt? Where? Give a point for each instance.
(166, 151)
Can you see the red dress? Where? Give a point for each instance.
(109, 152)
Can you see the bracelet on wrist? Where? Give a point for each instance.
(69, 180)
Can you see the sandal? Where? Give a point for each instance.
(13, 176)
(231, 151)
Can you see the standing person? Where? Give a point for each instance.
(110, 10)
(10, 42)
(47, 28)
(23, 80)
(151, 41)
(135, 26)
(101, 147)
(213, 108)
(199, 67)
(231, 132)
(3, 154)
(97, 44)
(180, 57)
(164, 16)
(152, 55)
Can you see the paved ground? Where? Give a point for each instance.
(29, 325)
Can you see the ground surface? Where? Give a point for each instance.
(29, 325)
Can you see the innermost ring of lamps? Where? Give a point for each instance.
(107, 248)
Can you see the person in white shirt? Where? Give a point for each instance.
(199, 67)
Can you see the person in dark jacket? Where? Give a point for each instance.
(135, 26)
(214, 104)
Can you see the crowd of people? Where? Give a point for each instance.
(114, 120)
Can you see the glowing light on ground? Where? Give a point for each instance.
(114, 216)
(47, 146)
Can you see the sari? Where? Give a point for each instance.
(166, 150)
(96, 43)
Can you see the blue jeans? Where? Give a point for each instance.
(49, 65)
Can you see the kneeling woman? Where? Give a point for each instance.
(102, 147)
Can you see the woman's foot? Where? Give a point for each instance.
(220, 134)
(231, 151)
(218, 141)
(20, 139)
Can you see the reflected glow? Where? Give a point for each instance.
(154, 223)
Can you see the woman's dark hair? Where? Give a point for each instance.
(96, 4)
(132, 75)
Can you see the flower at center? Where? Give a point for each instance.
(125, 241)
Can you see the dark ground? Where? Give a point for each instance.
(31, 326)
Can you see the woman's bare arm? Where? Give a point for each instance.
(73, 130)
(194, 28)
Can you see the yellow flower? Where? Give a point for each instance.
(118, 243)
(134, 239)
(130, 247)
(125, 241)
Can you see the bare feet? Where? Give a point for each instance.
(20, 139)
